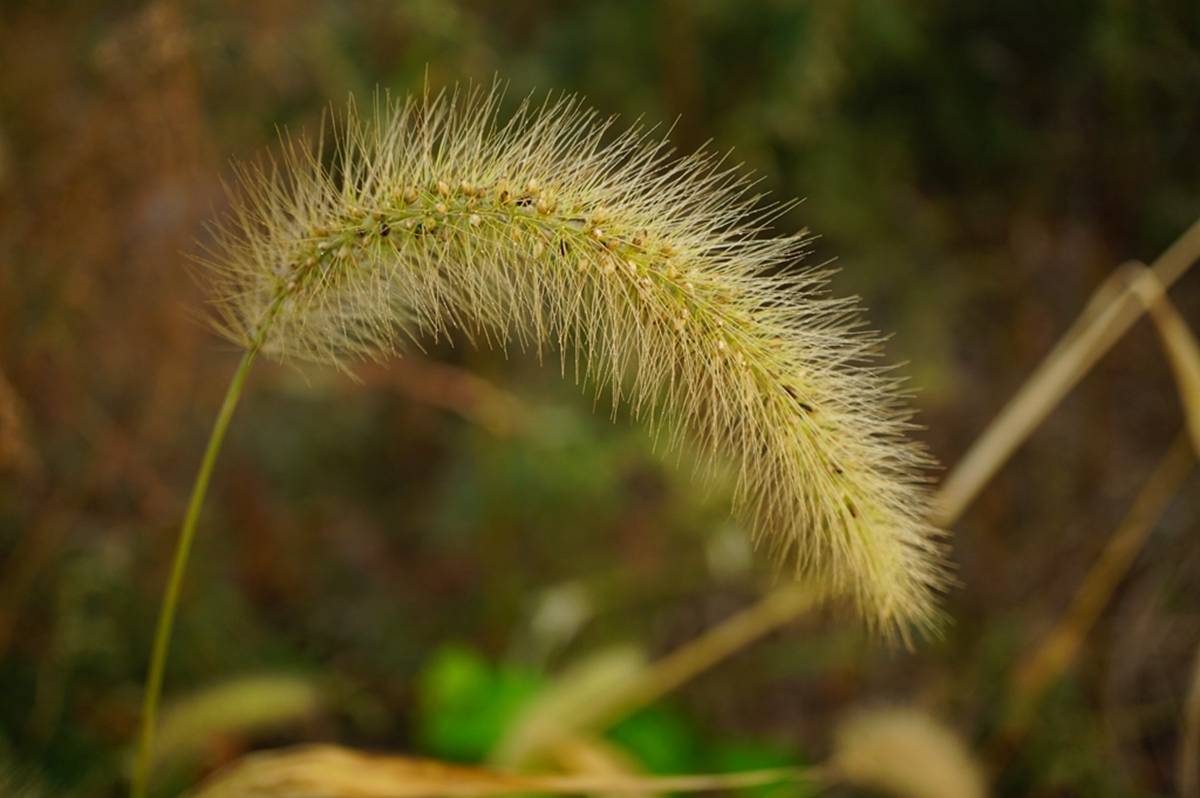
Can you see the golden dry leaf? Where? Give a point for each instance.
(329, 771)
(237, 706)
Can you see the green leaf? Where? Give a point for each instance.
(662, 739)
(735, 756)
(464, 704)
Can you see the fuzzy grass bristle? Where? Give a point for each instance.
(652, 276)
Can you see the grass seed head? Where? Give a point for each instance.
(431, 217)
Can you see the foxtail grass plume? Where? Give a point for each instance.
(651, 276)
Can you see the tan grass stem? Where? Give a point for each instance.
(328, 771)
(1050, 659)
(675, 669)
(1188, 758)
(1178, 341)
(1113, 310)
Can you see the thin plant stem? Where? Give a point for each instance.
(1116, 309)
(170, 601)
(713, 646)
(331, 770)
(1051, 658)
(1188, 762)
(1179, 343)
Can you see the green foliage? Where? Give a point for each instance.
(664, 740)
(661, 739)
(734, 755)
(464, 704)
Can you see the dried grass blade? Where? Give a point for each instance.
(1179, 342)
(668, 673)
(326, 771)
(1101, 325)
(1058, 650)
(1188, 764)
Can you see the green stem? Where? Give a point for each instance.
(170, 601)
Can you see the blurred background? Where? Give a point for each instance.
(408, 560)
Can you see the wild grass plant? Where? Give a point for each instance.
(430, 554)
(900, 750)
(650, 278)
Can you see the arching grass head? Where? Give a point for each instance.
(654, 278)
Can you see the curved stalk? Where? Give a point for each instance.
(170, 601)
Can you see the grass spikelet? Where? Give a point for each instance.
(651, 276)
